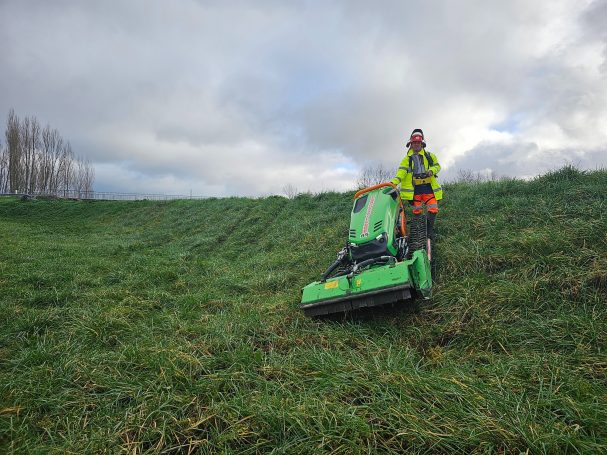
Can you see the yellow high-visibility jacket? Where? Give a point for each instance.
(404, 175)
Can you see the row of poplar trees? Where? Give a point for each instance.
(36, 160)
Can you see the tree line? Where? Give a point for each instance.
(36, 160)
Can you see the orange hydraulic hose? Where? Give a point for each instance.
(403, 221)
(374, 187)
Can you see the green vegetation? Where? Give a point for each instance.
(173, 327)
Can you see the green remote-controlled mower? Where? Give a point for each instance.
(382, 263)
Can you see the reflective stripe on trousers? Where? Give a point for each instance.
(428, 199)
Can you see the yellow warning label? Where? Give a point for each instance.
(359, 282)
(332, 284)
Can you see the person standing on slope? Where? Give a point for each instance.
(417, 177)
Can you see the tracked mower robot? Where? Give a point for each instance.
(382, 262)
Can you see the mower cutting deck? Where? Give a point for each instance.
(377, 265)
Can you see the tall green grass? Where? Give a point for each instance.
(149, 327)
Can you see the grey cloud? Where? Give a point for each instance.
(205, 91)
(593, 22)
(594, 18)
(522, 160)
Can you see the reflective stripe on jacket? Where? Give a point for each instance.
(404, 175)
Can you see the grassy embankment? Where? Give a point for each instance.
(148, 326)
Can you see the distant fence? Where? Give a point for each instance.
(103, 196)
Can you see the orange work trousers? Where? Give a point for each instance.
(428, 199)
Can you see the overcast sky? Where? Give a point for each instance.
(246, 97)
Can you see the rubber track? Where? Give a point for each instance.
(418, 234)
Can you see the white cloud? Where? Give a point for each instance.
(168, 97)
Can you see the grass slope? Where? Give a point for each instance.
(173, 327)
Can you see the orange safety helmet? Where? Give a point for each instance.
(417, 135)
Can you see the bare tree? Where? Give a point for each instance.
(13, 142)
(290, 191)
(84, 177)
(3, 170)
(30, 138)
(372, 175)
(52, 146)
(65, 179)
(470, 176)
(36, 160)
